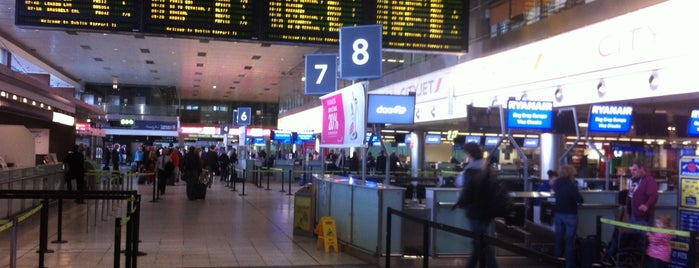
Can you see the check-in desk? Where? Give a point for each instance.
(441, 201)
(359, 210)
(40, 177)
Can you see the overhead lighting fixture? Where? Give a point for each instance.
(653, 81)
(558, 94)
(601, 88)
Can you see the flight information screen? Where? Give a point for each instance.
(436, 25)
(310, 21)
(215, 18)
(108, 15)
(424, 25)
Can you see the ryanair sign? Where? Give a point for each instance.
(610, 118)
(536, 115)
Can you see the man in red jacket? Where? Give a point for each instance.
(643, 195)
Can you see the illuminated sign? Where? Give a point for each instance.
(610, 118)
(529, 114)
(531, 142)
(390, 109)
(693, 129)
(492, 141)
(438, 25)
(112, 15)
(284, 137)
(126, 122)
(433, 139)
(474, 139)
(82, 127)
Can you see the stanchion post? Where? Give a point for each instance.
(291, 178)
(155, 182)
(117, 242)
(136, 221)
(13, 243)
(388, 237)
(233, 179)
(282, 190)
(244, 179)
(43, 231)
(128, 252)
(268, 172)
(259, 177)
(59, 238)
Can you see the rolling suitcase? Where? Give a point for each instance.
(199, 191)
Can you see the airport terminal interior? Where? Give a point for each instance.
(348, 120)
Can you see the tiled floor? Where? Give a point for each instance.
(225, 230)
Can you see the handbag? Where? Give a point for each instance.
(204, 176)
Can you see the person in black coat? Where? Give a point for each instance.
(75, 164)
(224, 161)
(192, 166)
(381, 162)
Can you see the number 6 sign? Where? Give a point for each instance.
(360, 52)
(321, 74)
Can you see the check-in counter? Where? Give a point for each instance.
(359, 209)
(40, 177)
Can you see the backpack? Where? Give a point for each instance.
(500, 203)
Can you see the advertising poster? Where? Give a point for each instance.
(688, 210)
(343, 117)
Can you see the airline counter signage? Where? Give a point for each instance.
(609, 118)
(390, 109)
(693, 128)
(321, 74)
(433, 139)
(360, 52)
(529, 114)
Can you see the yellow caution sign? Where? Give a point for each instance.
(327, 234)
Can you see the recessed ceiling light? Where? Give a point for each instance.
(145, 50)
(98, 59)
(201, 54)
(200, 65)
(85, 47)
(149, 62)
(248, 67)
(197, 73)
(256, 57)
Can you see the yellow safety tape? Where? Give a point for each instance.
(125, 220)
(30, 213)
(6, 226)
(645, 228)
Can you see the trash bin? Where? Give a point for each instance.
(304, 212)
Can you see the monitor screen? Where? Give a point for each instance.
(475, 139)
(492, 141)
(530, 142)
(655, 125)
(284, 137)
(610, 118)
(258, 140)
(390, 109)
(433, 139)
(303, 137)
(534, 115)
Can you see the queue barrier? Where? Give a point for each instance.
(133, 211)
(484, 240)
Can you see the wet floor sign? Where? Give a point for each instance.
(327, 234)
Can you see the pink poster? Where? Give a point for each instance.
(343, 117)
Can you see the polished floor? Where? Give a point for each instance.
(224, 230)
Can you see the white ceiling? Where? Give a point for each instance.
(198, 69)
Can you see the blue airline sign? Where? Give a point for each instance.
(433, 139)
(529, 114)
(390, 109)
(693, 128)
(610, 118)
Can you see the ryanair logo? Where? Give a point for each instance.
(530, 105)
(611, 110)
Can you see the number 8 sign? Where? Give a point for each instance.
(360, 52)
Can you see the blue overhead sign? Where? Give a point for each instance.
(433, 139)
(321, 74)
(390, 109)
(693, 128)
(360, 52)
(610, 118)
(529, 114)
(244, 116)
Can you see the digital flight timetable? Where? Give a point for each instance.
(436, 25)
(110, 15)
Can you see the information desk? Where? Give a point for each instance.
(359, 210)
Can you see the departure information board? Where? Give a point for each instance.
(109, 15)
(436, 25)
(424, 25)
(314, 21)
(215, 18)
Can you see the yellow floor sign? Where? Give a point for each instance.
(327, 234)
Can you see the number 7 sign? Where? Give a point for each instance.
(321, 74)
(360, 52)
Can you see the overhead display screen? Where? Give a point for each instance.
(216, 18)
(610, 118)
(424, 25)
(107, 15)
(438, 25)
(311, 21)
(529, 114)
(390, 109)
